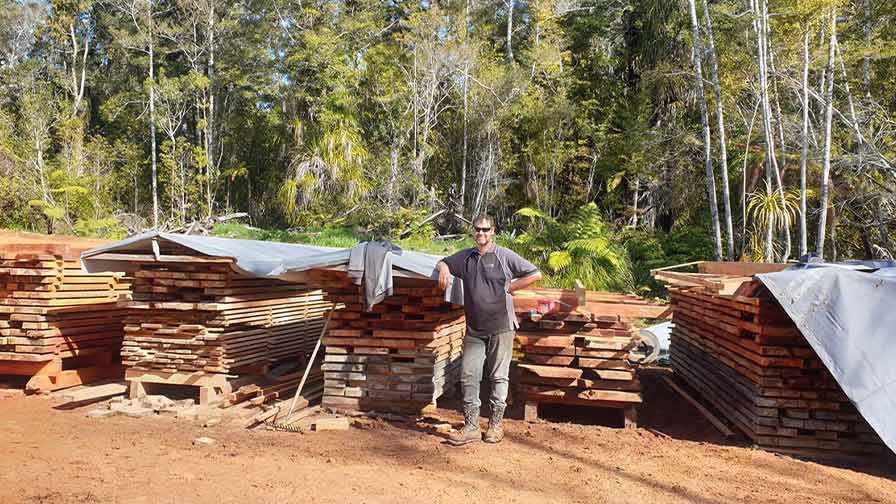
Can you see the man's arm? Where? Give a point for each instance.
(444, 275)
(522, 283)
(451, 266)
(522, 271)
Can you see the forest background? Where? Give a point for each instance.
(606, 136)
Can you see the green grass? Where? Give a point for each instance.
(337, 237)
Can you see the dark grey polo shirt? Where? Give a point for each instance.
(487, 304)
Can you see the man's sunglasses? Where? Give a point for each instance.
(482, 229)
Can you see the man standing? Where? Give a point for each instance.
(490, 274)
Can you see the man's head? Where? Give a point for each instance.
(483, 229)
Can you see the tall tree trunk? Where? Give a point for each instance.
(770, 161)
(211, 136)
(828, 118)
(866, 61)
(510, 6)
(152, 120)
(782, 169)
(463, 166)
(822, 75)
(637, 196)
(779, 119)
(391, 188)
(804, 152)
(696, 54)
(78, 87)
(183, 191)
(834, 222)
(882, 229)
(760, 25)
(860, 139)
(743, 182)
(723, 149)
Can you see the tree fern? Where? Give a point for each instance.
(581, 248)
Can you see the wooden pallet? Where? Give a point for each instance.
(59, 373)
(212, 388)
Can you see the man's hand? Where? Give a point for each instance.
(444, 275)
(522, 283)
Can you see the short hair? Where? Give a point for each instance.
(479, 219)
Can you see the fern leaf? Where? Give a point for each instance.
(534, 213)
(559, 260)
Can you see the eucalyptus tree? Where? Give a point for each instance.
(759, 10)
(141, 35)
(696, 54)
(824, 193)
(720, 116)
(73, 24)
(804, 142)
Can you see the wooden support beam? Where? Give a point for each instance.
(149, 258)
(714, 420)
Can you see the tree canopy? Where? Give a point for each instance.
(640, 118)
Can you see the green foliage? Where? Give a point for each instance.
(369, 116)
(337, 237)
(581, 248)
(767, 206)
(109, 228)
(326, 237)
(51, 212)
(650, 250)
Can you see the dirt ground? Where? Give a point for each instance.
(56, 456)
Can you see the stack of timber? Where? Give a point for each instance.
(748, 360)
(197, 320)
(58, 324)
(399, 357)
(624, 306)
(577, 358)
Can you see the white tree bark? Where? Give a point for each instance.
(510, 6)
(78, 86)
(463, 167)
(860, 139)
(866, 61)
(141, 13)
(152, 114)
(723, 149)
(760, 26)
(804, 152)
(211, 144)
(696, 52)
(743, 182)
(828, 118)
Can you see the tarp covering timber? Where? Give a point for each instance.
(847, 312)
(283, 261)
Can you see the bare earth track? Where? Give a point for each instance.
(57, 456)
(76, 244)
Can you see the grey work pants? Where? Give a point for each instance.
(494, 353)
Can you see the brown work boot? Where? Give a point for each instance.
(495, 432)
(471, 432)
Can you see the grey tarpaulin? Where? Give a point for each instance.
(847, 314)
(265, 259)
